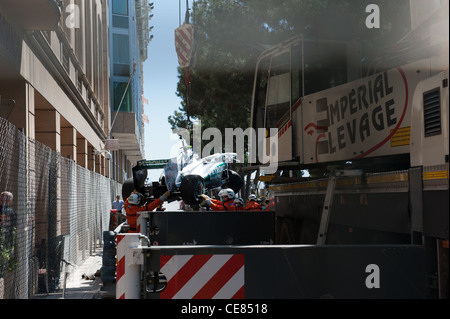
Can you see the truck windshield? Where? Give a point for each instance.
(279, 91)
(284, 77)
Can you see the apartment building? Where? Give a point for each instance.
(54, 88)
(64, 71)
(54, 83)
(64, 66)
(129, 36)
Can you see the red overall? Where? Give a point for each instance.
(217, 205)
(252, 205)
(132, 211)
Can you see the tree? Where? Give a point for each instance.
(219, 91)
(230, 35)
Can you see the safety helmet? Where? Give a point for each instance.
(239, 201)
(135, 198)
(252, 197)
(227, 192)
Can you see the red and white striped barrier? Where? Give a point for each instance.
(203, 276)
(128, 267)
(141, 223)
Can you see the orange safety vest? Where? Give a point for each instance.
(217, 205)
(132, 211)
(252, 205)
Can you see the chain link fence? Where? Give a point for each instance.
(52, 211)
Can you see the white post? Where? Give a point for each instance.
(128, 267)
(142, 223)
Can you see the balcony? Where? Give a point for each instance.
(42, 15)
(126, 131)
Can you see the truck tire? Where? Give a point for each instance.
(192, 186)
(287, 233)
(309, 232)
(235, 181)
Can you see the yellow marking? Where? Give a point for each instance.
(401, 137)
(387, 178)
(435, 175)
(376, 179)
(266, 178)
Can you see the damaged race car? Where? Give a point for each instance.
(186, 177)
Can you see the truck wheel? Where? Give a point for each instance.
(287, 233)
(309, 232)
(235, 181)
(192, 186)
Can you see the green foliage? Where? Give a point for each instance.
(230, 35)
(6, 258)
(7, 254)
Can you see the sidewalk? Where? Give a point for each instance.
(78, 286)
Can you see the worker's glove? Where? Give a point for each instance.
(164, 196)
(206, 201)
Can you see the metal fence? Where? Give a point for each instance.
(51, 211)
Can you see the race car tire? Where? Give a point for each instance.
(127, 188)
(192, 186)
(235, 181)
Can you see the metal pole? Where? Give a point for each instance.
(187, 12)
(65, 281)
(66, 264)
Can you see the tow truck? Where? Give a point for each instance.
(360, 162)
(370, 220)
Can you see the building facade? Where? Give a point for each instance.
(64, 68)
(54, 122)
(55, 83)
(129, 36)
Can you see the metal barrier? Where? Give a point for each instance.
(270, 272)
(209, 267)
(58, 212)
(195, 228)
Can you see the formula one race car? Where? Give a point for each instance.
(186, 177)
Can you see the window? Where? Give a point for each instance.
(121, 54)
(119, 89)
(261, 92)
(120, 7)
(279, 91)
(121, 48)
(297, 75)
(325, 66)
(120, 22)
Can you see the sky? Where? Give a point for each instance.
(160, 81)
